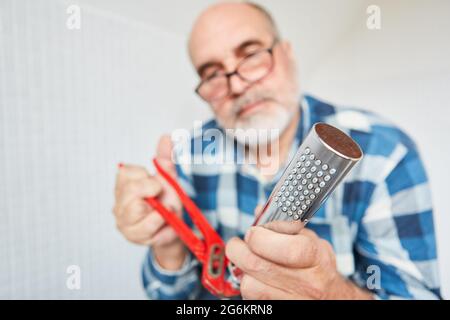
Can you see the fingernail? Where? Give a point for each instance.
(120, 165)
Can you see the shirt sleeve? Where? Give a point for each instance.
(395, 247)
(171, 285)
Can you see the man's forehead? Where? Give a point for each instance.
(218, 49)
(221, 29)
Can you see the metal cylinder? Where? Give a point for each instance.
(321, 162)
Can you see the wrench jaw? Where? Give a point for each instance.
(213, 277)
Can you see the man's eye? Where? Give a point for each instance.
(210, 75)
(252, 50)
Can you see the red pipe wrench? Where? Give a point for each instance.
(210, 251)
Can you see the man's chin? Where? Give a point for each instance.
(252, 110)
(260, 130)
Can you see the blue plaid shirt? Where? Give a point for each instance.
(381, 215)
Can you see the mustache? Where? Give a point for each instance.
(249, 98)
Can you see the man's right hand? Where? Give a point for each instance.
(137, 220)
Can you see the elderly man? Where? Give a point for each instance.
(373, 238)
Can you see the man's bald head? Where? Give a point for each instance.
(216, 14)
(267, 15)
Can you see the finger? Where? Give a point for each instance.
(135, 211)
(164, 154)
(164, 236)
(127, 172)
(145, 229)
(293, 251)
(253, 289)
(287, 227)
(309, 233)
(290, 227)
(259, 268)
(137, 189)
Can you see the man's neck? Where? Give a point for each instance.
(269, 162)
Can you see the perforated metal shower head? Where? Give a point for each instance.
(321, 162)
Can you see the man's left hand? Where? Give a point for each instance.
(279, 264)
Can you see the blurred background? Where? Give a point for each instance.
(75, 102)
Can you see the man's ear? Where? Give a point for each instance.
(289, 52)
(287, 48)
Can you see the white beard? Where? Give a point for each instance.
(261, 128)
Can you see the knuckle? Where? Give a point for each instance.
(326, 245)
(150, 227)
(230, 246)
(126, 233)
(137, 206)
(253, 263)
(151, 186)
(312, 251)
(146, 186)
(131, 187)
(157, 218)
(310, 234)
(132, 239)
(328, 257)
(126, 212)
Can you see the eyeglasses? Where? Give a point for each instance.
(250, 69)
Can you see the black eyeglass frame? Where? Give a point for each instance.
(236, 72)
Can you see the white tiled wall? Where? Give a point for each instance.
(74, 103)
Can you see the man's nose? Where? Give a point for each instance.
(237, 85)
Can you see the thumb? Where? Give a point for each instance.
(164, 154)
(287, 227)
